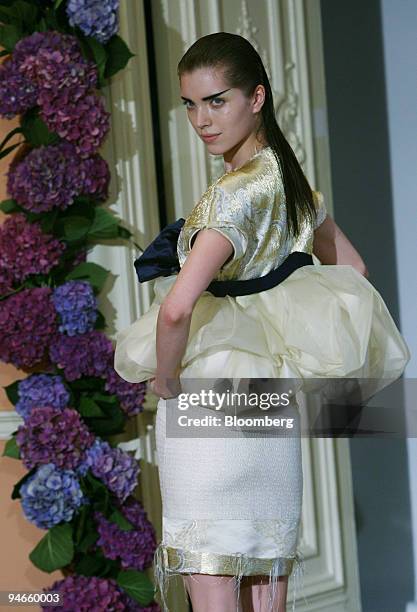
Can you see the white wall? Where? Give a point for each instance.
(399, 28)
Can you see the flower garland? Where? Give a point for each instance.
(79, 486)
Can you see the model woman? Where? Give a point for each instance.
(232, 507)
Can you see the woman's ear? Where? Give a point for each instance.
(258, 98)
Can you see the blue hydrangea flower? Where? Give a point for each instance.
(41, 390)
(51, 496)
(116, 468)
(76, 304)
(96, 18)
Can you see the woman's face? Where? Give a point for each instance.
(215, 108)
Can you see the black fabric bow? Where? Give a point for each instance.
(160, 257)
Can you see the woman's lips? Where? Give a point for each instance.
(210, 138)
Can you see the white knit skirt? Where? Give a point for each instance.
(230, 505)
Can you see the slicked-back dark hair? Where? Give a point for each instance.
(243, 68)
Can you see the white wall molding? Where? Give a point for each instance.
(129, 150)
(9, 422)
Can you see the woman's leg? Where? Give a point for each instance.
(255, 594)
(212, 593)
(219, 594)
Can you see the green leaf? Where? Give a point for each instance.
(99, 54)
(11, 449)
(36, 131)
(104, 225)
(89, 408)
(87, 383)
(10, 135)
(118, 55)
(107, 399)
(96, 485)
(8, 206)
(8, 150)
(113, 424)
(87, 541)
(12, 393)
(137, 585)
(48, 220)
(16, 489)
(74, 223)
(100, 322)
(123, 232)
(21, 13)
(91, 272)
(118, 518)
(74, 227)
(55, 550)
(5, 15)
(41, 26)
(9, 35)
(57, 3)
(91, 565)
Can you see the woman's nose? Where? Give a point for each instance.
(203, 118)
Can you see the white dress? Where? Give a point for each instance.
(232, 505)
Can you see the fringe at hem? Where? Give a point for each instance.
(169, 561)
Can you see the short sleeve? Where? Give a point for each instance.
(321, 208)
(224, 212)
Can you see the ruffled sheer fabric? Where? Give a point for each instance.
(322, 321)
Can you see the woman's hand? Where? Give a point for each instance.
(162, 389)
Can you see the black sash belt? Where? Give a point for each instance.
(160, 259)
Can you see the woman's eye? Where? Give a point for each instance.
(217, 101)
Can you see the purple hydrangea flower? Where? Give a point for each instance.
(41, 390)
(92, 594)
(17, 93)
(89, 354)
(96, 18)
(51, 496)
(54, 62)
(25, 249)
(28, 321)
(153, 607)
(96, 177)
(116, 468)
(53, 435)
(47, 177)
(79, 258)
(131, 395)
(84, 122)
(77, 307)
(6, 280)
(53, 175)
(134, 548)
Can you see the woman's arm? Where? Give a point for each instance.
(209, 252)
(331, 246)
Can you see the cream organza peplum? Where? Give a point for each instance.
(322, 321)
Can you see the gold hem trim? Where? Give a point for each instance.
(179, 560)
(170, 561)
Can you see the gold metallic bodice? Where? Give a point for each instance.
(247, 206)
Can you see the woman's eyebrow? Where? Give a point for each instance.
(208, 97)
